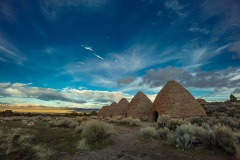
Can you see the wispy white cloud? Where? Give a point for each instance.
(235, 47)
(92, 51)
(175, 6)
(100, 80)
(7, 10)
(87, 48)
(2, 59)
(227, 11)
(195, 28)
(98, 56)
(196, 55)
(9, 52)
(81, 63)
(119, 65)
(53, 8)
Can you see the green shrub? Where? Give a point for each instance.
(172, 124)
(208, 139)
(185, 140)
(1, 133)
(162, 120)
(171, 139)
(231, 111)
(236, 136)
(163, 133)
(125, 121)
(230, 122)
(135, 122)
(196, 120)
(95, 131)
(79, 129)
(113, 120)
(185, 135)
(145, 118)
(131, 122)
(213, 121)
(224, 138)
(64, 123)
(82, 145)
(148, 132)
(43, 152)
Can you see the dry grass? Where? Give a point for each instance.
(46, 111)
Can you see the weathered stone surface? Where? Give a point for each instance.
(139, 107)
(120, 110)
(110, 109)
(174, 100)
(102, 111)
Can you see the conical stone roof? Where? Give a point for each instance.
(102, 111)
(139, 107)
(110, 109)
(174, 100)
(120, 109)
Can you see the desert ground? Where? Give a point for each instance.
(128, 145)
(60, 138)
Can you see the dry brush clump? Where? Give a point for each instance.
(185, 135)
(96, 131)
(17, 143)
(83, 145)
(43, 152)
(167, 121)
(129, 121)
(162, 120)
(64, 123)
(163, 133)
(148, 132)
(79, 128)
(210, 137)
(135, 122)
(94, 134)
(28, 122)
(224, 137)
(113, 120)
(81, 119)
(125, 121)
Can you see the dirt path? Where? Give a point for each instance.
(128, 146)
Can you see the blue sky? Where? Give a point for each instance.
(88, 53)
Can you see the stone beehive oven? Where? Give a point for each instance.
(102, 111)
(139, 107)
(120, 109)
(110, 109)
(174, 100)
